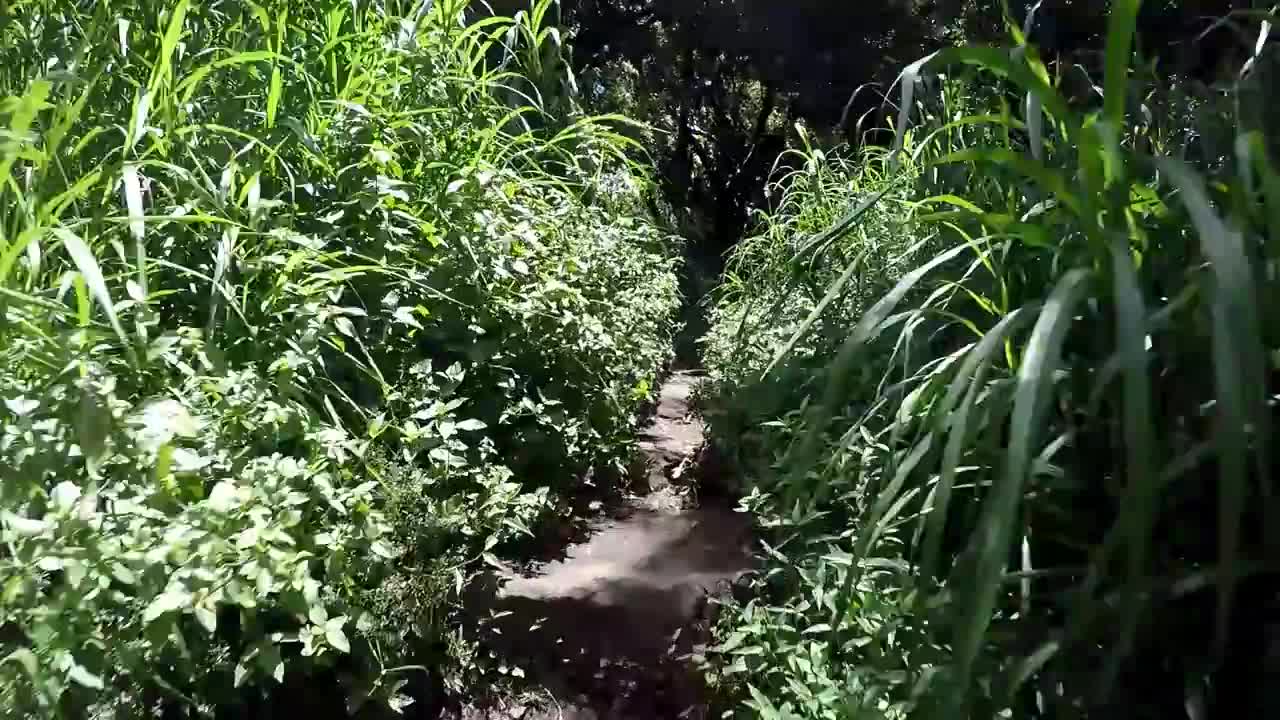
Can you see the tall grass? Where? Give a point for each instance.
(299, 323)
(1009, 478)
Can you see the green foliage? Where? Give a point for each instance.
(291, 316)
(998, 483)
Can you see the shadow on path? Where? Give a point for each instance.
(604, 631)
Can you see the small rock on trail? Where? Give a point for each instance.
(604, 633)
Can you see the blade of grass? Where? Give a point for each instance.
(1238, 374)
(871, 324)
(969, 379)
(834, 291)
(991, 542)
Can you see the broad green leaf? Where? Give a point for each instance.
(336, 638)
(162, 68)
(171, 599)
(224, 497)
(64, 495)
(80, 675)
(25, 659)
(22, 526)
(207, 616)
(21, 406)
(763, 705)
(22, 113)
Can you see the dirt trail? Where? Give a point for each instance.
(603, 632)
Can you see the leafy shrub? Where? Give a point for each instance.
(293, 309)
(999, 489)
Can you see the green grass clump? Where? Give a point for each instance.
(301, 303)
(1031, 473)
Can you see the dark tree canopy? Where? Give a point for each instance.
(724, 82)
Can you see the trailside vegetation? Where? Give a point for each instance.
(306, 310)
(1002, 395)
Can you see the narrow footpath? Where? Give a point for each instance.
(605, 632)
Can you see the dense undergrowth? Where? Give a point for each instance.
(305, 309)
(1003, 401)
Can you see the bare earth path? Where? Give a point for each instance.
(601, 633)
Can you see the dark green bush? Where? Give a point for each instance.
(296, 309)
